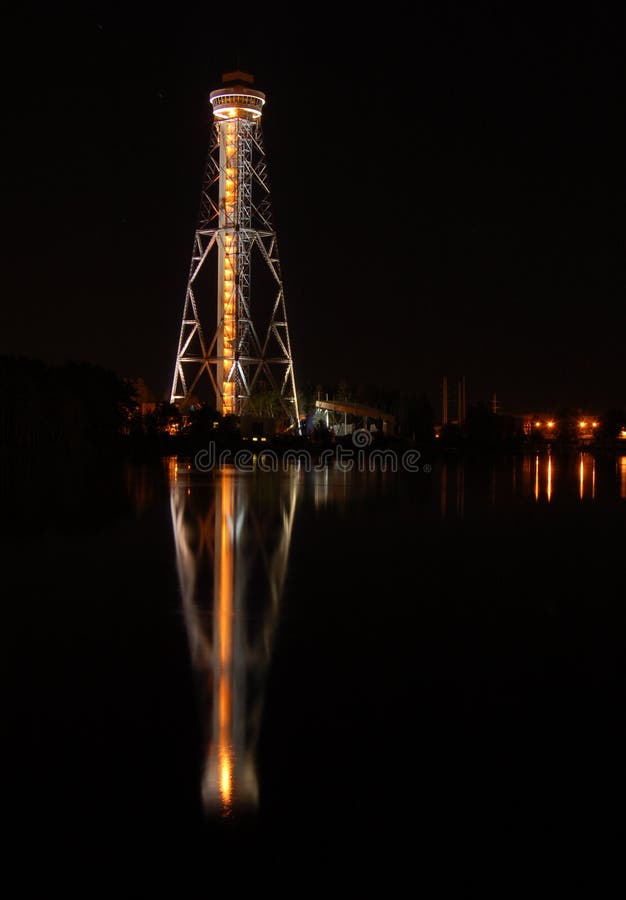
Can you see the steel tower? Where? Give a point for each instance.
(248, 356)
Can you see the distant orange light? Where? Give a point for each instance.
(582, 424)
(594, 424)
(550, 424)
(537, 424)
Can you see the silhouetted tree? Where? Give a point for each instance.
(164, 417)
(69, 405)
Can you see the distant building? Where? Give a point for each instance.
(258, 427)
(579, 426)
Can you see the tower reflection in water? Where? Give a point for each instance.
(232, 532)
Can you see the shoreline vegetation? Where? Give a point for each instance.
(218, 451)
(82, 410)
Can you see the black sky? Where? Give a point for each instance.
(447, 189)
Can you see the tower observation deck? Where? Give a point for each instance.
(246, 361)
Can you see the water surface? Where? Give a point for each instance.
(283, 671)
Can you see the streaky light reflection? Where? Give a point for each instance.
(544, 470)
(549, 485)
(621, 467)
(593, 478)
(452, 477)
(543, 477)
(232, 533)
(581, 490)
(586, 475)
(537, 477)
(225, 582)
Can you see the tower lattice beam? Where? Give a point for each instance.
(247, 360)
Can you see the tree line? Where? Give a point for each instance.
(72, 405)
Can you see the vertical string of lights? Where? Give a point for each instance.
(236, 223)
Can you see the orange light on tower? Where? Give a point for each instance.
(229, 275)
(234, 106)
(248, 350)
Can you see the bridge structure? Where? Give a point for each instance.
(337, 412)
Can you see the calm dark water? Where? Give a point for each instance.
(282, 678)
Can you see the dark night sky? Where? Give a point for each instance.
(446, 189)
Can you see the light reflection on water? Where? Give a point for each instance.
(232, 536)
(487, 649)
(544, 478)
(621, 471)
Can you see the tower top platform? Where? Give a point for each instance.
(236, 99)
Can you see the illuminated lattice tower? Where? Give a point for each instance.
(247, 357)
